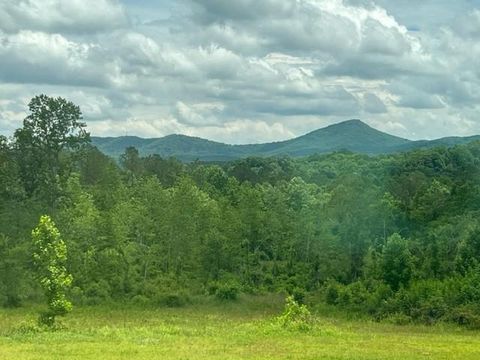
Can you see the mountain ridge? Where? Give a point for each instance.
(350, 135)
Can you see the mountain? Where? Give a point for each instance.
(186, 148)
(351, 135)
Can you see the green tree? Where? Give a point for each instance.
(10, 186)
(50, 258)
(12, 272)
(397, 264)
(468, 252)
(53, 127)
(78, 220)
(131, 161)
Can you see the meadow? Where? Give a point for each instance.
(244, 329)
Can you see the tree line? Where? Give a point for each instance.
(394, 236)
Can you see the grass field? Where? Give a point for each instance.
(241, 330)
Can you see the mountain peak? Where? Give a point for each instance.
(353, 127)
(351, 135)
(352, 122)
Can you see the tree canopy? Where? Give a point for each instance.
(390, 234)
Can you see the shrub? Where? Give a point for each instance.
(378, 298)
(11, 301)
(77, 295)
(332, 293)
(398, 319)
(140, 300)
(227, 291)
(97, 292)
(173, 299)
(299, 295)
(466, 315)
(295, 316)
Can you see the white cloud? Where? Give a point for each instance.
(244, 71)
(37, 57)
(243, 131)
(75, 16)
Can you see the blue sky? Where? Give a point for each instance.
(245, 71)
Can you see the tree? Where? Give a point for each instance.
(53, 127)
(11, 272)
(10, 187)
(468, 252)
(50, 258)
(397, 264)
(131, 161)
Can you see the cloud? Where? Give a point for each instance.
(114, 61)
(199, 114)
(72, 16)
(221, 11)
(470, 26)
(245, 71)
(36, 57)
(244, 131)
(373, 104)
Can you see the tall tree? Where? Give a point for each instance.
(53, 127)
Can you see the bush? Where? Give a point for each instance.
(398, 319)
(354, 296)
(332, 293)
(432, 309)
(466, 315)
(77, 295)
(378, 298)
(173, 299)
(299, 295)
(227, 291)
(141, 300)
(11, 301)
(97, 293)
(295, 316)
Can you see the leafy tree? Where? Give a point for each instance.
(11, 272)
(53, 127)
(167, 171)
(468, 253)
(10, 186)
(397, 265)
(431, 202)
(78, 220)
(50, 257)
(131, 161)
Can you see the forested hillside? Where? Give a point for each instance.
(391, 235)
(350, 135)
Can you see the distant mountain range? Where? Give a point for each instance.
(351, 135)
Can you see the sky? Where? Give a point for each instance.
(245, 71)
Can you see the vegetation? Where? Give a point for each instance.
(395, 237)
(351, 135)
(295, 316)
(245, 329)
(50, 257)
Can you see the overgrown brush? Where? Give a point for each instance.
(295, 316)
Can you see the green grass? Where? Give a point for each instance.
(240, 330)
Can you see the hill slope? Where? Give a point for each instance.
(351, 135)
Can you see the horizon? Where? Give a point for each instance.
(245, 73)
(292, 138)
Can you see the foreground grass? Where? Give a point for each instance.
(240, 330)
